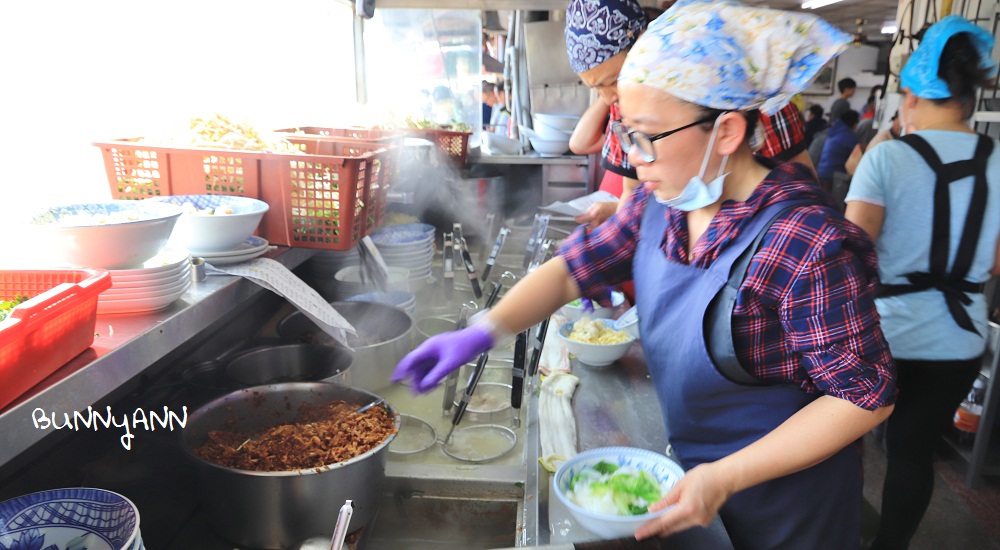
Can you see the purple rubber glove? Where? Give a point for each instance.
(588, 306)
(431, 361)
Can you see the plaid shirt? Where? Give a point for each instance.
(805, 314)
(784, 134)
(612, 156)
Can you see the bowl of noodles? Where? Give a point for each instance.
(595, 342)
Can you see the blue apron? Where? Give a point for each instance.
(709, 417)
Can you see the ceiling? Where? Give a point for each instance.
(845, 13)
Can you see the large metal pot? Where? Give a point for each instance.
(277, 509)
(385, 335)
(291, 363)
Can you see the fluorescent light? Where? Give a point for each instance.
(889, 29)
(813, 4)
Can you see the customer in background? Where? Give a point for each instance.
(847, 87)
(840, 141)
(599, 34)
(500, 119)
(776, 456)
(892, 132)
(815, 123)
(931, 200)
(489, 96)
(873, 98)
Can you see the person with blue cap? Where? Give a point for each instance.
(755, 296)
(931, 199)
(599, 34)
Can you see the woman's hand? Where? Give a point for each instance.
(597, 213)
(696, 499)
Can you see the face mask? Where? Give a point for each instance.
(698, 194)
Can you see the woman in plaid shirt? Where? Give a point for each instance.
(771, 445)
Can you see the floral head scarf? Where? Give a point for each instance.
(726, 55)
(920, 74)
(597, 30)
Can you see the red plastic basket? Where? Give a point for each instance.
(453, 146)
(328, 198)
(45, 332)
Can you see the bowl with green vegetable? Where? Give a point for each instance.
(608, 490)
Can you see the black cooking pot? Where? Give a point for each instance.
(291, 363)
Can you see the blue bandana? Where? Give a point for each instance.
(920, 74)
(597, 30)
(726, 55)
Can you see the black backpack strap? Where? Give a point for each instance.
(718, 322)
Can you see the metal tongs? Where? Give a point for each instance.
(451, 381)
(462, 250)
(538, 230)
(343, 520)
(517, 376)
(492, 260)
(477, 373)
(449, 265)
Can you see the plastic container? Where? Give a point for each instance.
(969, 412)
(45, 332)
(328, 198)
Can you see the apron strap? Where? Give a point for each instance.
(952, 284)
(718, 322)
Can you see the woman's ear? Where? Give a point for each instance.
(732, 133)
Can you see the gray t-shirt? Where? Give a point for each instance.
(838, 108)
(892, 174)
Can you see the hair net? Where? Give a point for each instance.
(920, 74)
(726, 55)
(597, 30)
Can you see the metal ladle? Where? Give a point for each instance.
(339, 533)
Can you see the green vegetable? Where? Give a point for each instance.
(7, 305)
(631, 491)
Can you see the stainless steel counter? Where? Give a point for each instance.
(124, 348)
(528, 158)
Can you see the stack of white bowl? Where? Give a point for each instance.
(409, 246)
(551, 133)
(320, 270)
(350, 281)
(161, 281)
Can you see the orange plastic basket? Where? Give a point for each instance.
(45, 332)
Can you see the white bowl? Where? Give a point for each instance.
(500, 145)
(545, 131)
(566, 123)
(91, 518)
(548, 147)
(575, 312)
(108, 235)
(595, 355)
(199, 231)
(604, 525)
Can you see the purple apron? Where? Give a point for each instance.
(708, 417)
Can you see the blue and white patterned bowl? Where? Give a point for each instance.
(200, 232)
(108, 235)
(407, 234)
(604, 525)
(70, 519)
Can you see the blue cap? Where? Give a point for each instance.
(920, 74)
(597, 30)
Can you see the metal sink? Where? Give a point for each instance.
(450, 514)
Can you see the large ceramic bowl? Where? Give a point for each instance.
(214, 223)
(549, 147)
(566, 123)
(573, 311)
(607, 526)
(501, 145)
(595, 355)
(76, 517)
(108, 235)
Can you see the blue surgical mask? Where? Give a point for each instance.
(698, 194)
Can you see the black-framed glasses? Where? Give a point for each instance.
(644, 142)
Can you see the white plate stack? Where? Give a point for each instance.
(247, 250)
(409, 246)
(161, 281)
